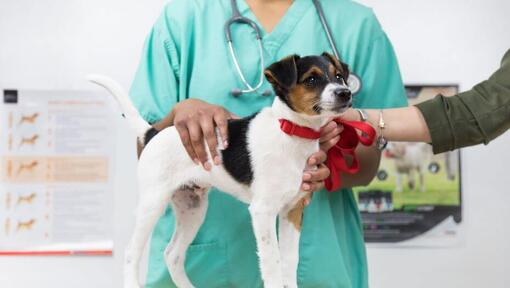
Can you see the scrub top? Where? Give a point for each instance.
(186, 56)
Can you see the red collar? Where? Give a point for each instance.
(349, 140)
(293, 129)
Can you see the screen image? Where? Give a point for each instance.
(416, 195)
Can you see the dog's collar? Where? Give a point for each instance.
(292, 129)
(349, 140)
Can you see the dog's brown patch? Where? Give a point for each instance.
(295, 215)
(332, 70)
(303, 99)
(313, 71)
(334, 61)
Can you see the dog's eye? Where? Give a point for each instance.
(338, 77)
(310, 81)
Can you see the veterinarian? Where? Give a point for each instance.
(469, 118)
(186, 78)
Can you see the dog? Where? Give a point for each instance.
(309, 92)
(29, 119)
(409, 158)
(27, 225)
(29, 140)
(28, 199)
(28, 167)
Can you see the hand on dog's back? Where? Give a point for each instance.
(196, 121)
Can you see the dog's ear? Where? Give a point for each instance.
(283, 74)
(341, 66)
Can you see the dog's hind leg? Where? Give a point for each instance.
(189, 205)
(149, 210)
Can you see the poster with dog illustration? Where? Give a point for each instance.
(56, 171)
(415, 199)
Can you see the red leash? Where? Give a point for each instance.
(349, 140)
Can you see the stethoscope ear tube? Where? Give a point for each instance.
(354, 82)
(325, 25)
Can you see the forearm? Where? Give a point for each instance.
(405, 124)
(469, 118)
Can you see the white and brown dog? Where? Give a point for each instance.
(310, 91)
(409, 158)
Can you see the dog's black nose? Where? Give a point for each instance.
(343, 94)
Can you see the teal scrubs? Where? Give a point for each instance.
(186, 56)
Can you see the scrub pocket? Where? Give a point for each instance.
(206, 265)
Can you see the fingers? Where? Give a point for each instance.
(325, 146)
(318, 175)
(220, 119)
(313, 180)
(209, 133)
(182, 129)
(197, 142)
(312, 187)
(326, 136)
(196, 122)
(317, 158)
(330, 135)
(328, 128)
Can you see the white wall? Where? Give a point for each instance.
(53, 44)
(454, 41)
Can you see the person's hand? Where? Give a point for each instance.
(351, 115)
(330, 134)
(196, 121)
(314, 180)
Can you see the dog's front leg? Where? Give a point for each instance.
(290, 221)
(398, 180)
(422, 180)
(263, 216)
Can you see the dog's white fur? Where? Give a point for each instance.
(166, 174)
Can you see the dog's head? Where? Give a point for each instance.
(395, 150)
(311, 85)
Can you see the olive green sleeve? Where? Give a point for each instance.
(472, 117)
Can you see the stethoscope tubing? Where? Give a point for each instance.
(354, 80)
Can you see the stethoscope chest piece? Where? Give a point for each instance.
(354, 83)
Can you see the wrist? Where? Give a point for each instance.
(165, 122)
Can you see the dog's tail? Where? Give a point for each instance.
(129, 111)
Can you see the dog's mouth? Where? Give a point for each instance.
(337, 108)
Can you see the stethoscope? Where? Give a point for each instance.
(354, 82)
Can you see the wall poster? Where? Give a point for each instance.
(56, 162)
(415, 199)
